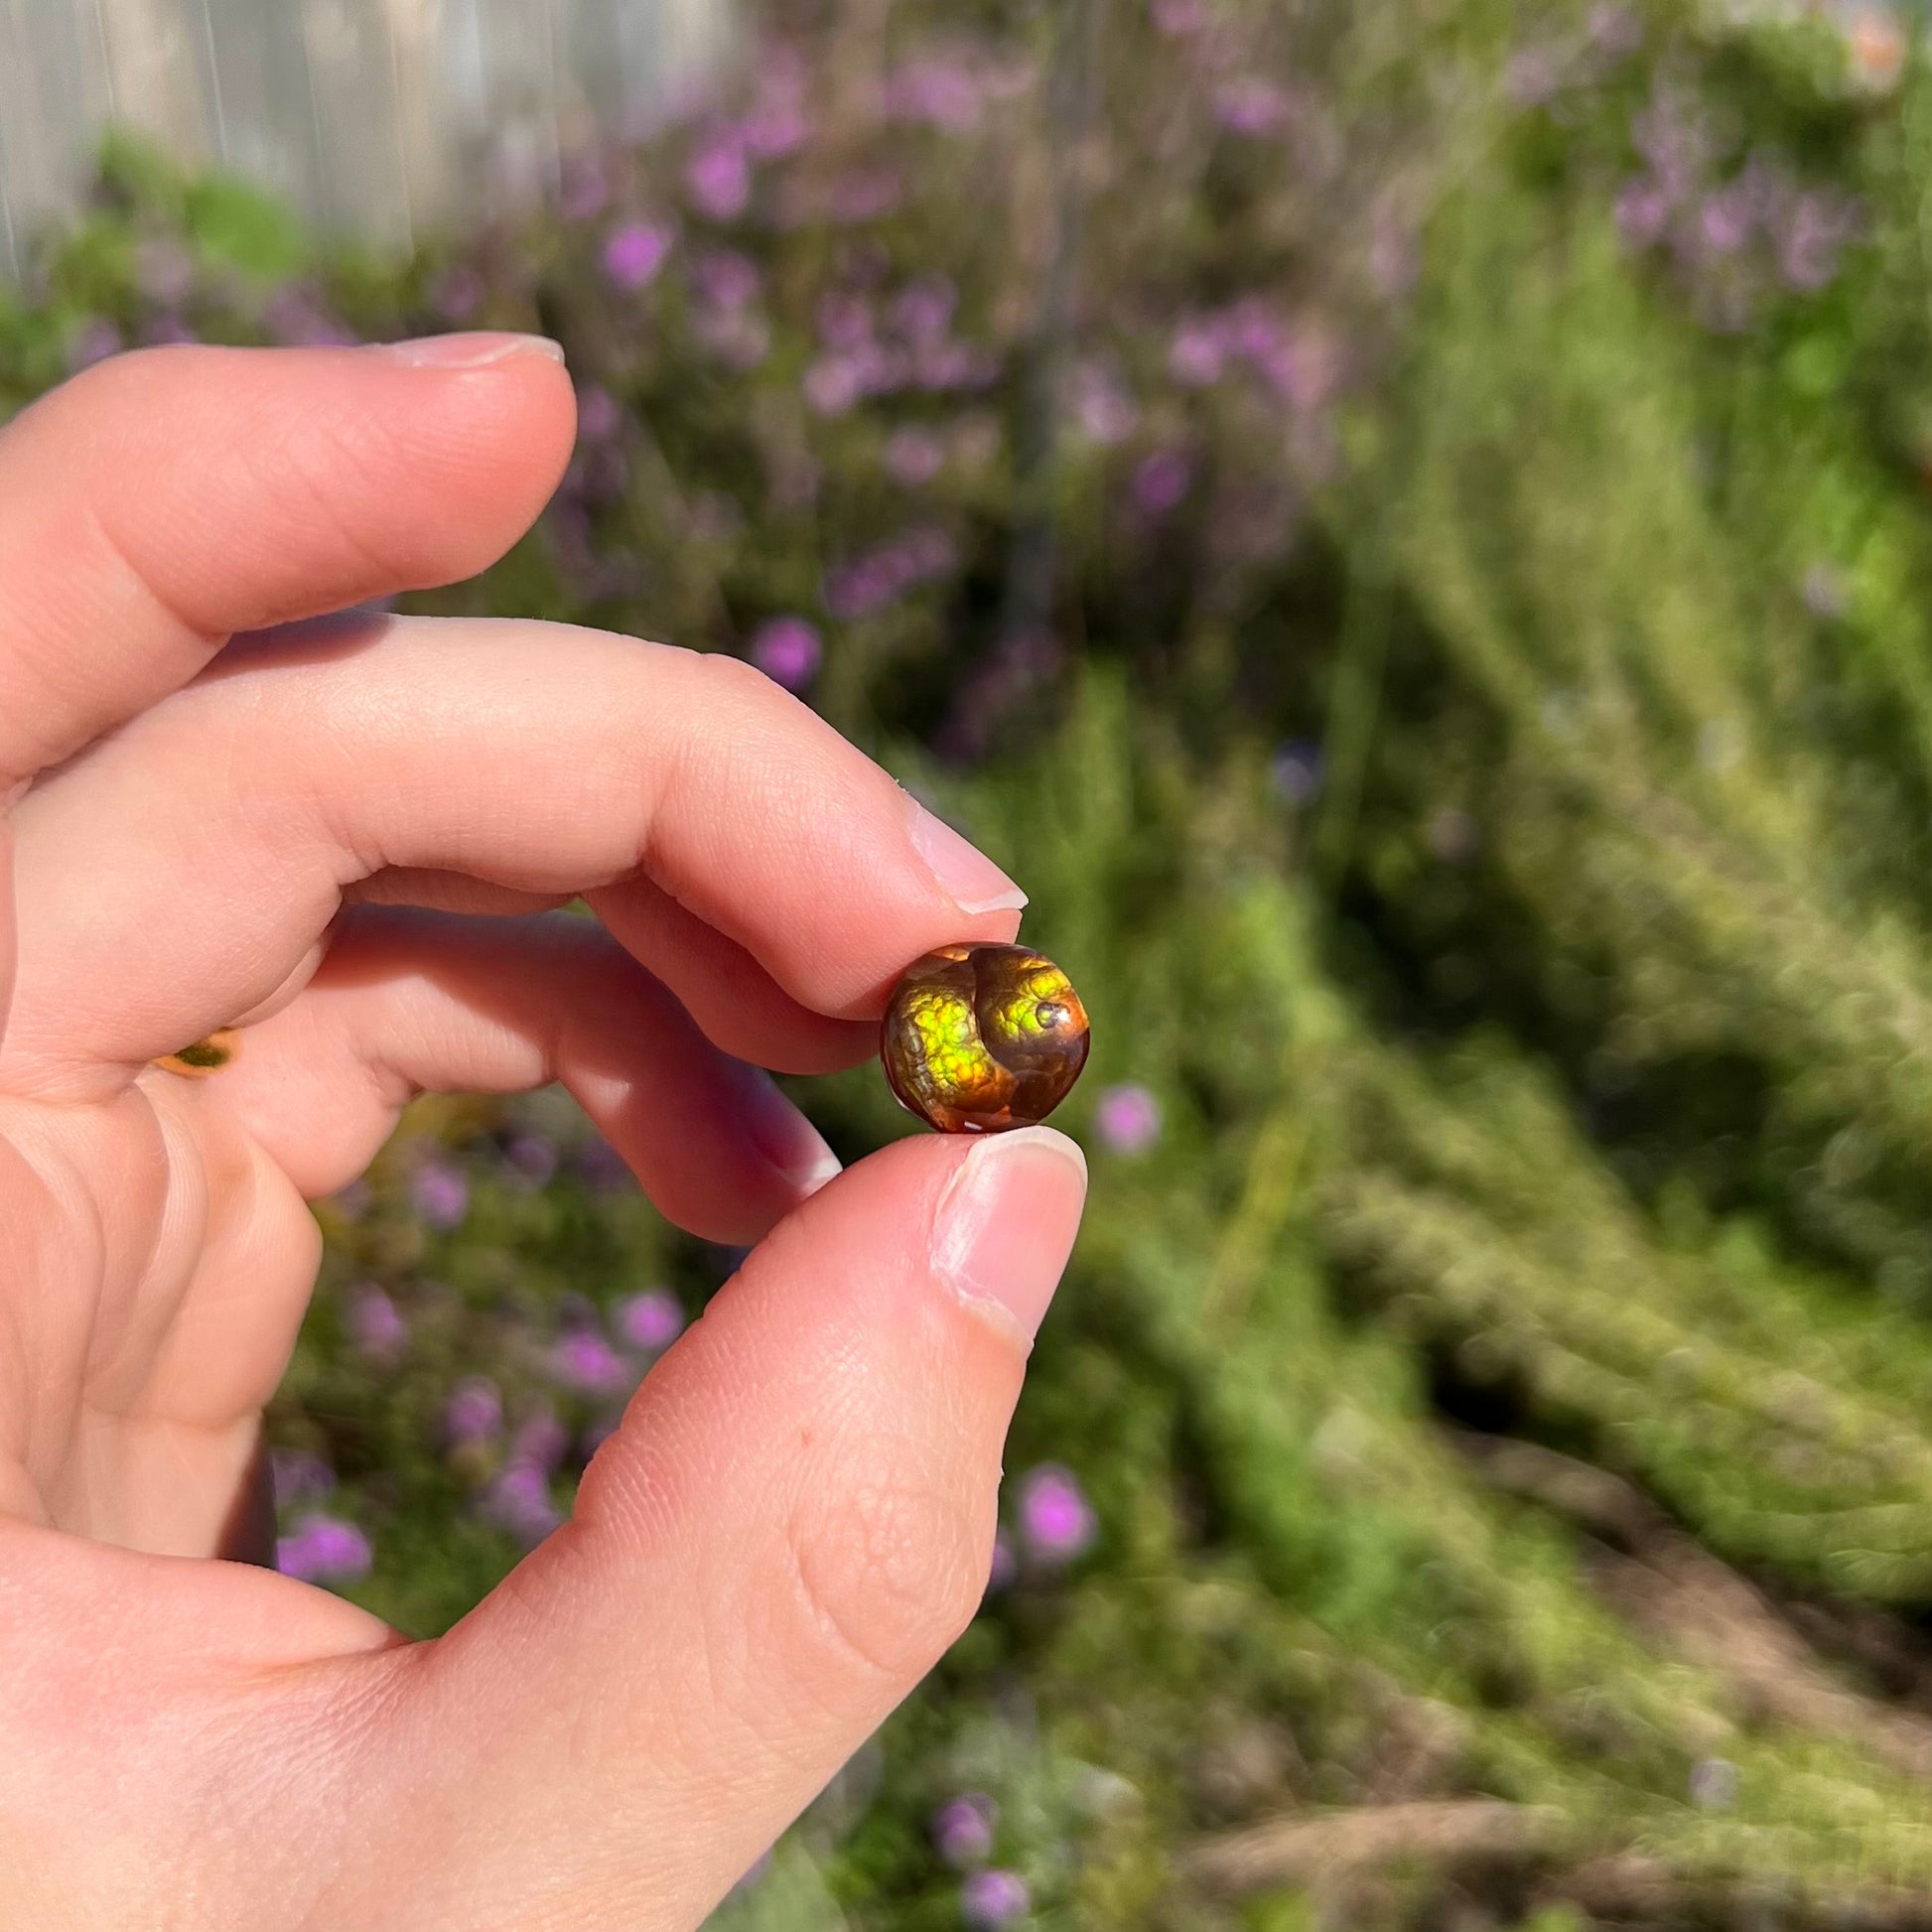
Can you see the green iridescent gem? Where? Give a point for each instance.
(980, 1039)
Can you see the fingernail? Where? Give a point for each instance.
(965, 873)
(1006, 1223)
(473, 349)
(785, 1137)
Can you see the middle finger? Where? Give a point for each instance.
(176, 874)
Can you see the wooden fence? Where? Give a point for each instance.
(383, 116)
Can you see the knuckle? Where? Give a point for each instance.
(887, 1573)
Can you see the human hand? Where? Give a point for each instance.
(797, 1515)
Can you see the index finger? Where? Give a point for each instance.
(165, 500)
(538, 757)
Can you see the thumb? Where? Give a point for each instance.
(792, 1524)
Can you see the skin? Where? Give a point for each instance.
(348, 835)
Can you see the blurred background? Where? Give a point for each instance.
(1406, 525)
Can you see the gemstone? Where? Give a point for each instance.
(980, 1039)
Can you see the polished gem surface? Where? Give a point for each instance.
(980, 1039)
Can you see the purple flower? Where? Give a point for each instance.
(844, 320)
(1725, 219)
(164, 272)
(1616, 29)
(924, 310)
(457, 294)
(651, 1320)
(833, 384)
(474, 1414)
(519, 1501)
(962, 1830)
(1127, 1119)
(864, 194)
(1533, 76)
(1198, 356)
(878, 579)
(1812, 232)
(376, 1326)
(1105, 412)
(439, 1193)
(100, 339)
(598, 414)
(162, 331)
(989, 1901)
(787, 650)
(583, 1360)
(726, 278)
(323, 1549)
(1253, 106)
(585, 190)
(635, 252)
(1642, 207)
(1178, 17)
(1160, 481)
(603, 1165)
(296, 315)
(540, 1441)
(913, 456)
(1056, 1522)
(778, 123)
(1006, 1563)
(298, 1477)
(718, 178)
(938, 92)
(1297, 770)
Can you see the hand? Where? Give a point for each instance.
(350, 835)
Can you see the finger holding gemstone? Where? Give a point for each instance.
(980, 1039)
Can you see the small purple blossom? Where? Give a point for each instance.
(1253, 106)
(164, 272)
(718, 178)
(323, 1550)
(939, 92)
(962, 1830)
(1006, 1563)
(726, 278)
(473, 1413)
(924, 310)
(778, 122)
(1105, 412)
(1159, 481)
(540, 1441)
(376, 1326)
(1643, 208)
(298, 1477)
(439, 1193)
(518, 1501)
(1295, 769)
(93, 344)
(585, 190)
(297, 314)
(353, 1201)
(584, 1361)
(1128, 1118)
(650, 1320)
(787, 650)
(833, 384)
(1056, 1522)
(913, 456)
(457, 294)
(635, 252)
(598, 414)
(1179, 18)
(859, 194)
(990, 1901)
(878, 579)
(602, 1166)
